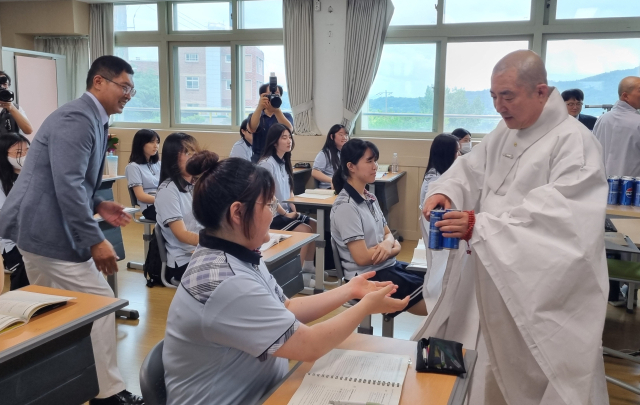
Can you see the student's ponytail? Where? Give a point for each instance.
(338, 180)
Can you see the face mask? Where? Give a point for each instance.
(17, 163)
(465, 148)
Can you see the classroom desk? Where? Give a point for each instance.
(386, 191)
(321, 207)
(418, 388)
(301, 176)
(283, 260)
(50, 359)
(623, 211)
(629, 227)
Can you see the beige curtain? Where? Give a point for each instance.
(367, 24)
(100, 30)
(298, 54)
(76, 49)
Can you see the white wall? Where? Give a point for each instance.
(328, 62)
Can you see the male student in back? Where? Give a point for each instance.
(49, 211)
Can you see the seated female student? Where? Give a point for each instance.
(364, 241)
(173, 204)
(143, 170)
(13, 153)
(445, 149)
(328, 159)
(230, 328)
(242, 148)
(465, 139)
(276, 158)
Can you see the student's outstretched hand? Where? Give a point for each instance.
(436, 200)
(378, 302)
(113, 213)
(361, 286)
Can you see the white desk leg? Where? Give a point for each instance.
(320, 242)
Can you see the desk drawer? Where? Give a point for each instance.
(289, 277)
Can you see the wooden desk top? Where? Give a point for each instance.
(112, 178)
(629, 227)
(418, 388)
(296, 241)
(298, 170)
(327, 202)
(84, 309)
(390, 177)
(628, 211)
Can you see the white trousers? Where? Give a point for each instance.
(85, 278)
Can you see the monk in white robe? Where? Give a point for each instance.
(537, 187)
(619, 131)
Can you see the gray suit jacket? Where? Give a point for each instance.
(49, 211)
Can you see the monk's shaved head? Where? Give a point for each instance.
(528, 65)
(628, 84)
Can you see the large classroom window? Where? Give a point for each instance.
(266, 59)
(145, 105)
(208, 16)
(578, 9)
(261, 14)
(474, 11)
(135, 17)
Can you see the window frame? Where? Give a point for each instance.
(192, 79)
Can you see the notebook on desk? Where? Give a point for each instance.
(317, 194)
(17, 307)
(354, 376)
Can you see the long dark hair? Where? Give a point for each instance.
(444, 150)
(330, 150)
(351, 152)
(7, 175)
(273, 136)
(221, 183)
(171, 148)
(140, 139)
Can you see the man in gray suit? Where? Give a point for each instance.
(49, 212)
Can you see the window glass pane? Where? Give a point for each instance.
(264, 60)
(135, 17)
(570, 65)
(145, 105)
(414, 12)
(203, 87)
(202, 16)
(469, 11)
(401, 97)
(261, 14)
(597, 9)
(467, 102)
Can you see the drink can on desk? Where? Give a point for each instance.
(636, 194)
(450, 243)
(435, 236)
(614, 190)
(627, 187)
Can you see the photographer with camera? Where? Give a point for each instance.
(267, 113)
(12, 117)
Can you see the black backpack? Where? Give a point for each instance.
(153, 264)
(7, 122)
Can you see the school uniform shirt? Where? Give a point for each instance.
(353, 218)
(224, 324)
(242, 149)
(276, 167)
(173, 205)
(6, 245)
(431, 175)
(146, 175)
(324, 165)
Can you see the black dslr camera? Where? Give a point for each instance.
(274, 99)
(6, 95)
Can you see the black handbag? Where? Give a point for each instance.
(149, 213)
(440, 356)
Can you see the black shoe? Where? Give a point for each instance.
(121, 398)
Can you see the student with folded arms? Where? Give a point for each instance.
(173, 204)
(143, 170)
(242, 148)
(365, 243)
(230, 328)
(328, 159)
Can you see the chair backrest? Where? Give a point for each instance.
(161, 243)
(154, 390)
(336, 259)
(132, 196)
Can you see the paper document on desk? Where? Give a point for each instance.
(380, 175)
(274, 239)
(128, 210)
(351, 375)
(317, 194)
(419, 255)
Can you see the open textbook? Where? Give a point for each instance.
(274, 239)
(17, 307)
(317, 194)
(355, 376)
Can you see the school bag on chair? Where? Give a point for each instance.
(153, 264)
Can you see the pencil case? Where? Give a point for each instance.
(442, 356)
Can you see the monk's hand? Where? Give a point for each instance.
(454, 224)
(436, 200)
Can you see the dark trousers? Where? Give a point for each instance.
(13, 262)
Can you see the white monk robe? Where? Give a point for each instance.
(619, 133)
(538, 258)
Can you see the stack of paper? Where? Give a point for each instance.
(274, 239)
(419, 255)
(317, 194)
